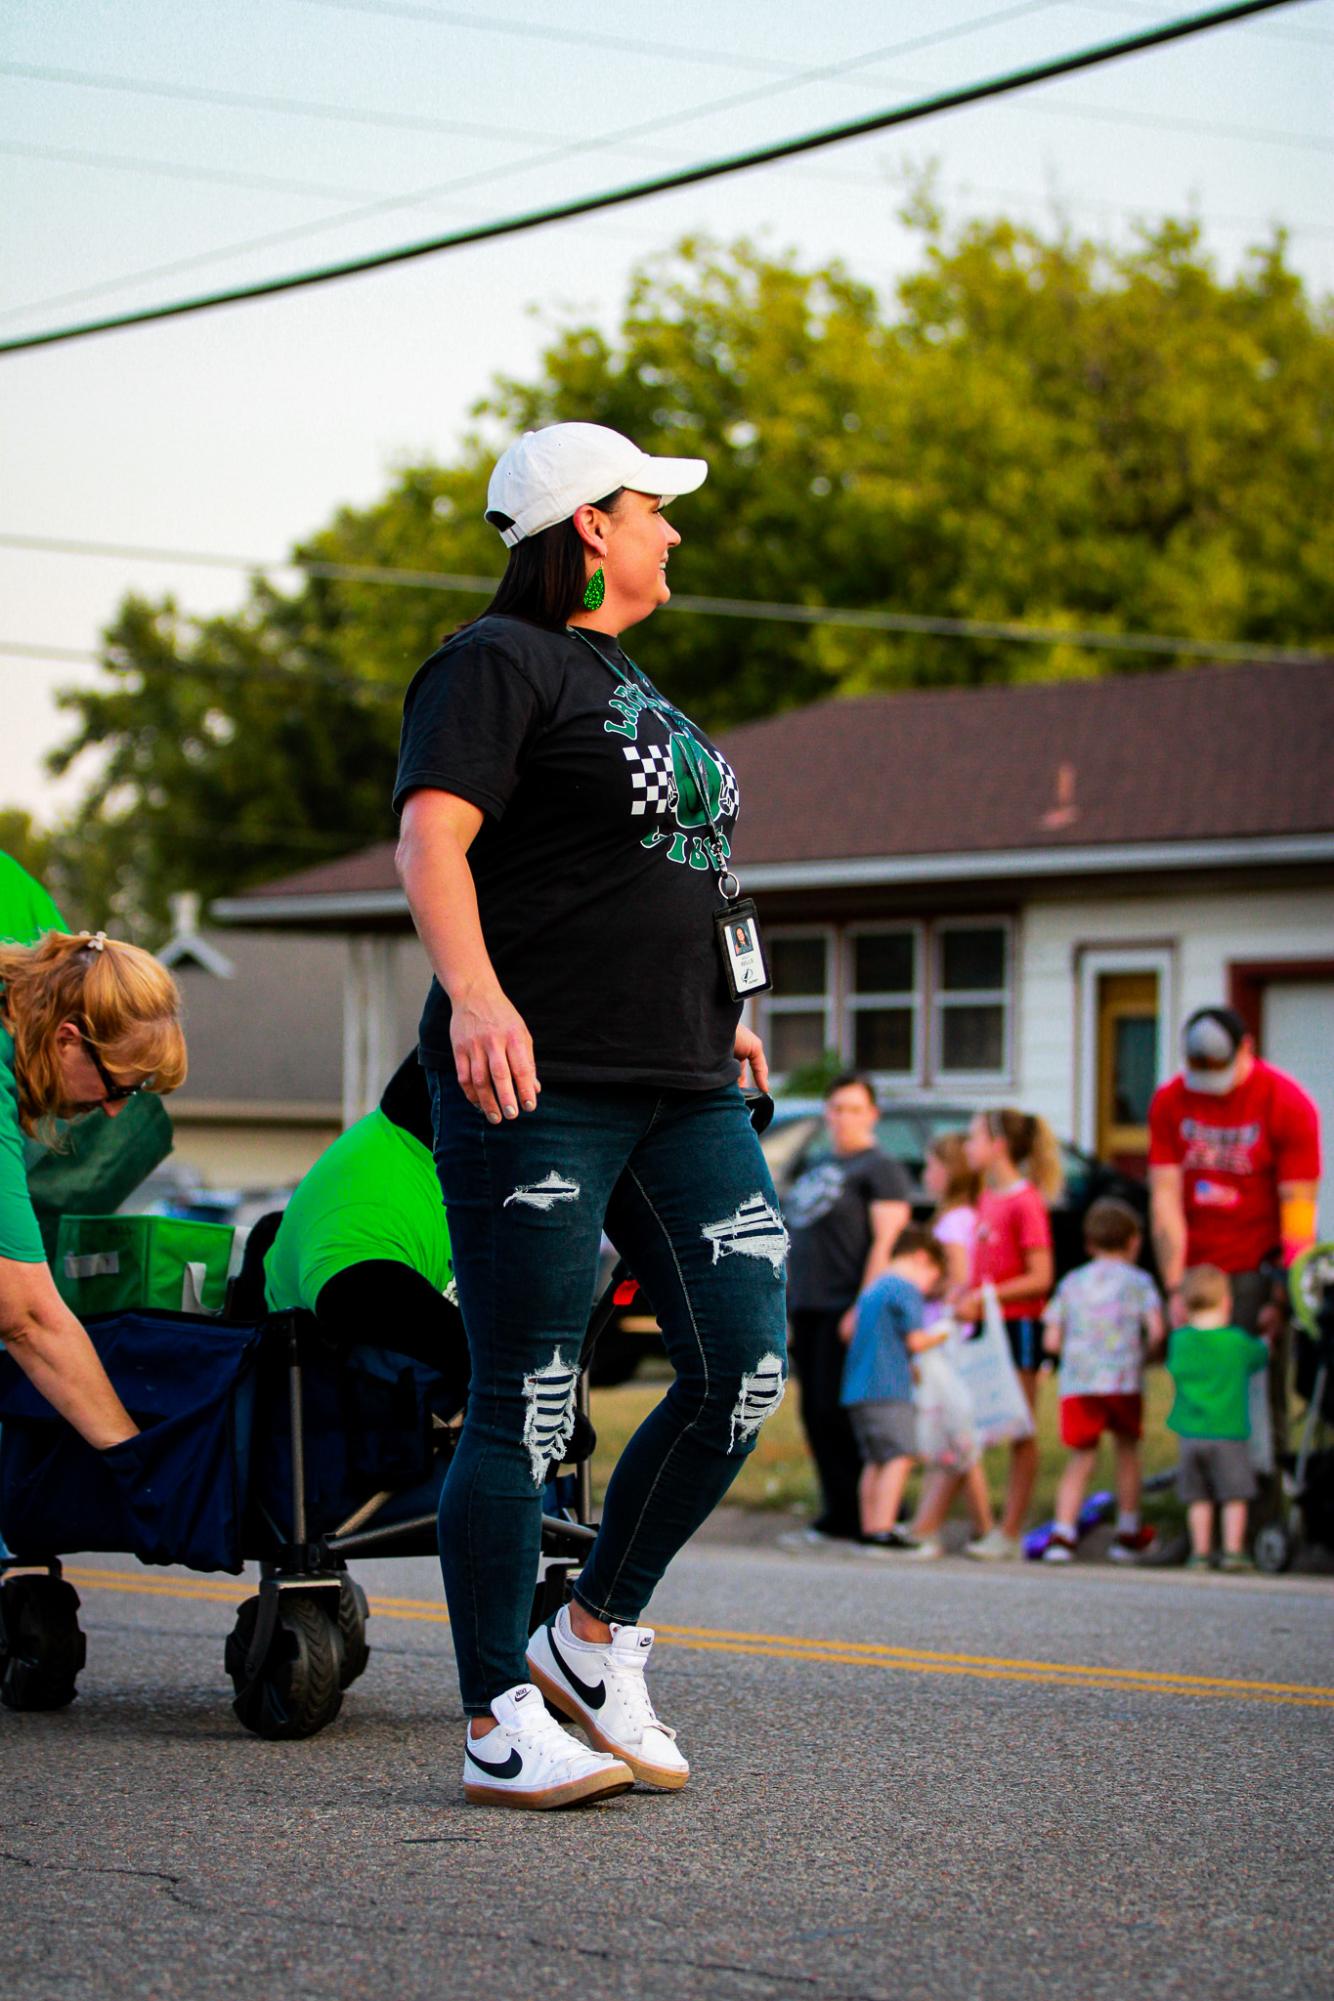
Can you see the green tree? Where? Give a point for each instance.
(1037, 428)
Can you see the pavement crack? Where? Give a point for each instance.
(87, 1868)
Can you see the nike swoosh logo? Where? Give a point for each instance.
(511, 1768)
(594, 1697)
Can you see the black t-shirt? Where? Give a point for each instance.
(828, 1212)
(596, 887)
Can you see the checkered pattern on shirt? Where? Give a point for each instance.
(652, 779)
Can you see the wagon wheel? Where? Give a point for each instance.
(41, 1647)
(1272, 1549)
(353, 1612)
(298, 1689)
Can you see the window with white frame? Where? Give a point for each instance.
(884, 994)
(796, 1015)
(971, 999)
(919, 1003)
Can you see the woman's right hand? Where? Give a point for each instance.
(493, 1055)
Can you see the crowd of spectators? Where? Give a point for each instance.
(885, 1313)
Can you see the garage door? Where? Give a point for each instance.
(1297, 1032)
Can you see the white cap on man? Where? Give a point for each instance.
(1211, 1044)
(547, 474)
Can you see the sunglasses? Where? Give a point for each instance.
(114, 1091)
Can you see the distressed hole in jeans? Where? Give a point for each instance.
(760, 1394)
(754, 1230)
(548, 1418)
(544, 1194)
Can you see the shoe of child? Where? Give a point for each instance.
(926, 1550)
(1129, 1545)
(994, 1547)
(1235, 1561)
(1197, 1562)
(1060, 1548)
(884, 1542)
(529, 1761)
(602, 1689)
(800, 1542)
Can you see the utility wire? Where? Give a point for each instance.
(213, 670)
(564, 150)
(1279, 31)
(864, 618)
(707, 170)
(595, 39)
(174, 170)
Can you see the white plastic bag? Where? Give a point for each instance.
(1000, 1408)
(943, 1411)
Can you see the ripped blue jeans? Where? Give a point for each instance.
(679, 1181)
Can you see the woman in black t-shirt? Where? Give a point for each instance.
(565, 836)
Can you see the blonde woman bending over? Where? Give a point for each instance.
(85, 1024)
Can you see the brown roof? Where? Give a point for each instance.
(1202, 755)
(1206, 754)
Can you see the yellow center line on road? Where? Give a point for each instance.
(783, 1646)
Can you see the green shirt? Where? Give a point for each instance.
(26, 911)
(1212, 1369)
(372, 1194)
(20, 1237)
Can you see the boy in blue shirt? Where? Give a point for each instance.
(877, 1380)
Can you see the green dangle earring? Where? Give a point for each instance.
(595, 590)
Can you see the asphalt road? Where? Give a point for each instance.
(936, 1781)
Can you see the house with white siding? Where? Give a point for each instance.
(990, 895)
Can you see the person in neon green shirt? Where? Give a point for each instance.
(364, 1243)
(26, 911)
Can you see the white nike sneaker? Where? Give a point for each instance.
(602, 1689)
(529, 1761)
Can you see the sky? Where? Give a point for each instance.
(153, 149)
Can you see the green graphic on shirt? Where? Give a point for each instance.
(666, 781)
(688, 758)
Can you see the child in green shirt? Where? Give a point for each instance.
(1211, 1364)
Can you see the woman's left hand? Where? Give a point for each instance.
(754, 1063)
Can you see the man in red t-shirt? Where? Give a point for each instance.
(1234, 1166)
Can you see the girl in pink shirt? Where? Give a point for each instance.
(1017, 1156)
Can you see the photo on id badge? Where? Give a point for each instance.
(742, 953)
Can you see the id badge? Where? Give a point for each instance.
(742, 949)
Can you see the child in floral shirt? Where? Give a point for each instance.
(1099, 1321)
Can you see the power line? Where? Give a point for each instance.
(705, 171)
(211, 670)
(564, 149)
(174, 170)
(453, 17)
(1279, 31)
(863, 618)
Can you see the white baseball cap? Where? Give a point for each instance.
(542, 478)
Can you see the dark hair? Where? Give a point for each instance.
(846, 1080)
(916, 1237)
(1226, 1017)
(406, 1101)
(1111, 1225)
(547, 574)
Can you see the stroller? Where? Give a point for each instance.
(1307, 1509)
(256, 1443)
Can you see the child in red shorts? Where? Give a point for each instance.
(1099, 1321)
